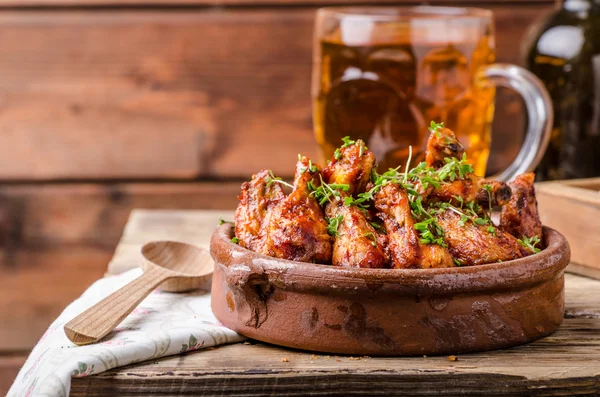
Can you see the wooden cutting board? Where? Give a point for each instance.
(573, 208)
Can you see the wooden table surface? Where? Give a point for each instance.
(566, 363)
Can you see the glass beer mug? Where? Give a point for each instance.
(382, 74)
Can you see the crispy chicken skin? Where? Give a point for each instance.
(257, 200)
(443, 144)
(520, 216)
(434, 216)
(297, 229)
(404, 246)
(471, 189)
(356, 243)
(473, 245)
(352, 167)
(440, 145)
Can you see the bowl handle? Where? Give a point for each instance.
(251, 289)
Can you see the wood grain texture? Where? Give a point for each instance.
(9, 367)
(94, 214)
(573, 208)
(36, 285)
(55, 240)
(105, 3)
(566, 363)
(170, 94)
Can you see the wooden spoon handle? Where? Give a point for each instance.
(97, 321)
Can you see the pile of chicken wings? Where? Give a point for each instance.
(436, 214)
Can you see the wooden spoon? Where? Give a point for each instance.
(183, 265)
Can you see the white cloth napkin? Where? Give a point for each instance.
(163, 324)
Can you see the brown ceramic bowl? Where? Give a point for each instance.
(386, 311)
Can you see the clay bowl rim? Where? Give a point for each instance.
(515, 274)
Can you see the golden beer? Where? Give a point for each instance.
(383, 78)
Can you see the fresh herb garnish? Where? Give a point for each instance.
(415, 181)
(530, 243)
(379, 180)
(488, 189)
(378, 227)
(457, 262)
(235, 240)
(347, 142)
(324, 192)
(407, 164)
(333, 224)
(311, 167)
(454, 169)
(430, 232)
(436, 127)
(371, 236)
(222, 221)
(470, 212)
(273, 179)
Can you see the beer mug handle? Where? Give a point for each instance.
(539, 113)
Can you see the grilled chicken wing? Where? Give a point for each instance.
(297, 229)
(442, 144)
(473, 245)
(473, 188)
(356, 243)
(257, 200)
(294, 227)
(520, 216)
(404, 245)
(352, 165)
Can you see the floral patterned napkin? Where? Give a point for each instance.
(163, 324)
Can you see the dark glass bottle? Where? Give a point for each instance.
(565, 54)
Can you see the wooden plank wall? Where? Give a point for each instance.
(107, 105)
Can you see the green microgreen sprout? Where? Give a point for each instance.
(407, 163)
(413, 181)
(378, 227)
(371, 236)
(530, 243)
(488, 189)
(457, 262)
(430, 232)
(469, 213)
(324, 192)
(436, 127)
(337, 154)
(349, 142)
(333, 224)
(235, 240)
(311, 167)
(454, 169)
(460, 200)
(273, 179)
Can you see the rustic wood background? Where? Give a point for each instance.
(108, 105)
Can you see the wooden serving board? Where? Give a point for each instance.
(563, 364)
(573, 208)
